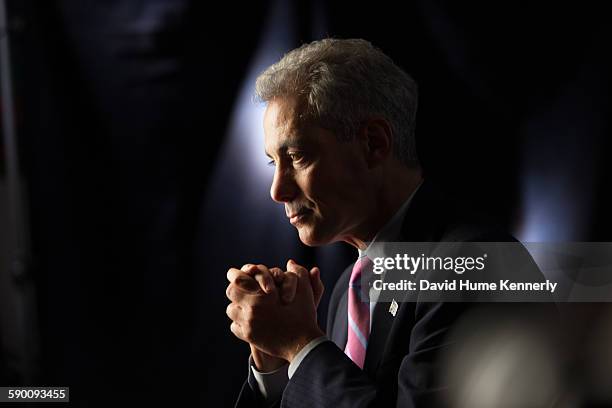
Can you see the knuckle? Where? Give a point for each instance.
(239, 331)
(262, 267)
(230, 291)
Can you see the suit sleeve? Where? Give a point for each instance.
(250, 396)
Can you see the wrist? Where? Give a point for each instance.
(264, 362)
(301, 342)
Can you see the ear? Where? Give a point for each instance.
(377, 137)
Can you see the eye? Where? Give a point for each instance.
(295, 156)
(271, 163)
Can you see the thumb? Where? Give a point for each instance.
(317, 285)
(299, 270)
(303, 277)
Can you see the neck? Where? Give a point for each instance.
(392, 193)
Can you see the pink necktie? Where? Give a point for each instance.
(358, 315)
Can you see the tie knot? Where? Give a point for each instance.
(362, 265)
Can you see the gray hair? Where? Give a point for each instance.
(343, 82)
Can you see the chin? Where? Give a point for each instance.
(311, 238)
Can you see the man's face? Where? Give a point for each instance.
(322, 181)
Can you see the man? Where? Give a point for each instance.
(339, 129)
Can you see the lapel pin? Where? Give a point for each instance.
(393, 308)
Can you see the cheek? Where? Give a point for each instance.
(311, 183)
(334, 192)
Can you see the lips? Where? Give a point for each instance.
(298, 216)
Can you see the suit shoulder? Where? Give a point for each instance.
(435, 216)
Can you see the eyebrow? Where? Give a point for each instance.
(284, 146)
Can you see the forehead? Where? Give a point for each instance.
(282, 124)
(282, 112)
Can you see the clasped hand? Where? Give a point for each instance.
(274, 311)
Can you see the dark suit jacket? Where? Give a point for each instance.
(402, 359)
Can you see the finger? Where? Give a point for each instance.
(233, 312)
(229, 291)
(299, 270)
(248, 283)
(246, 267)
(242, 279)
(237, 330)
(264, 278)
(250, 269)
(249, 277)
(317, 284)
(289, 287)
(233, 274)
(277, 275)
(236, 292)
(304, 287)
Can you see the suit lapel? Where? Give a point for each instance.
(381, 326)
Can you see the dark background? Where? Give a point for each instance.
(138, 205)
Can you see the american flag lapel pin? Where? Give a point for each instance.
(393, 307)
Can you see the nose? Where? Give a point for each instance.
(283, 187)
